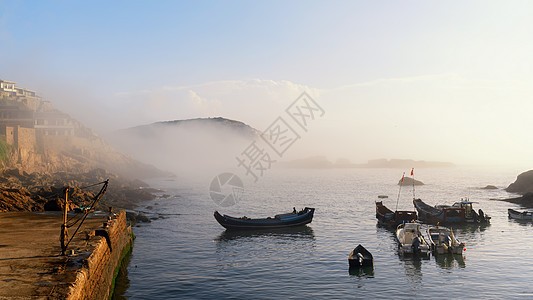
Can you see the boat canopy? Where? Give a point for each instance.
(464, 202)
(411, 226)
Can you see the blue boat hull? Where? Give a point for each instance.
(280, 221)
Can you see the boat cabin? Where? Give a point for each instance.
(467, 205)
(411, 230)
(440, 235)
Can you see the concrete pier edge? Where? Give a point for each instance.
(96, 278)
(127, 251)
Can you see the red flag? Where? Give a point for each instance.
(402, 178)
(412, 171)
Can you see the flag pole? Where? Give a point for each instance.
(401, 183)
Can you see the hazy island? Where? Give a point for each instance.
(189, 146)
(321, 162)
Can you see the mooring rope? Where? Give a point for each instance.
(86, 212)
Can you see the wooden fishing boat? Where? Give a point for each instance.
(411, 240)
(393, 218)
(517, 215)
(302, 217)
(459, 212)
(442, 241)
(360, 257)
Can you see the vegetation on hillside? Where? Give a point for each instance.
(4, 150)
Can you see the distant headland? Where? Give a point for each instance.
(320, 162)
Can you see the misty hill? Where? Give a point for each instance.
(209, 124)
(323, 162)
(187, 145)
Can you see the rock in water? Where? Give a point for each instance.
(523, 183)
(525, 201)
(490, 187)
(409, 181)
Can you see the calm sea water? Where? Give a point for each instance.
(187, 254)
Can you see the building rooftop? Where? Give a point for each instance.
(1, 80)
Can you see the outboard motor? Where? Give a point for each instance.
(475, 216)
(416, 245)
(448, 244)
(360, 258)
(481, 215)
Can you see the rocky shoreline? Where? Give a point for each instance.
(525, 201)
(523, 185)
(37, 192)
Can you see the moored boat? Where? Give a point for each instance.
(393, 218)
(302, 217)
(459, 212)
(442, 241)
(517, 215)
(360, 257)
(411, 240)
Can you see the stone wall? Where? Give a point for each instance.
(95, 280)
(25, 142)
(9, 132)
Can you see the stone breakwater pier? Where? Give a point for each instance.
(31, 265)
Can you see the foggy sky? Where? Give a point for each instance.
(447, 81)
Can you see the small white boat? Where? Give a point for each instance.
(526, 215)
(442, 240)
(411, 239)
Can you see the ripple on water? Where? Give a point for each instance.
(188, 255)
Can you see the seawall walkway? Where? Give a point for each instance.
(31, 265)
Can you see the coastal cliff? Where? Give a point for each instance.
(523, 183)
(43, 150)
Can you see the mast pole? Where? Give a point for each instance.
(413, 175)
(401, 183)
(64, 232)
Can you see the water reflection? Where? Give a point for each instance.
(300, 232)
(450, 261)
(470, 234)
(385, 227)
(521, 222)
(471, 228)
(413, 267)
(386, 230)
(122, 282)
(263, 249)
(365, 272)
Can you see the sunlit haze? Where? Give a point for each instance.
(425, 80)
